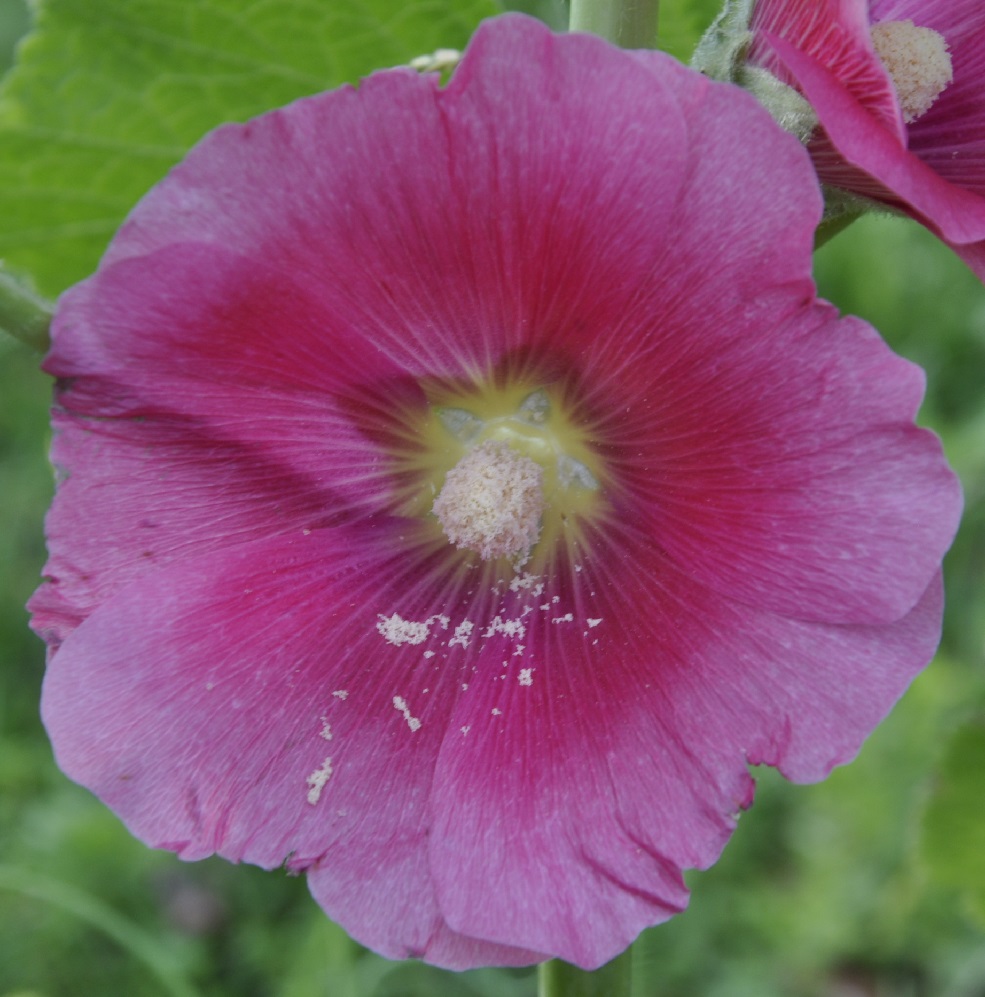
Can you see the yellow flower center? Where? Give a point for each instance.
(504, 471)
(918, 61)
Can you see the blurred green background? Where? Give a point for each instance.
(868, 885)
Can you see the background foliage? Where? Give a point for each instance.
(868, 885)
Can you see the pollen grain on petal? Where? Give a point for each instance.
(318, 779)
(399, 703)
(462, 634)
(397, 631)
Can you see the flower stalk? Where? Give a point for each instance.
(23, 314)
(560, 979)
(626, 23)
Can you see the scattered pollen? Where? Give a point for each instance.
(593, 623)
(462, 633)
(396, 630)
(509, 628)
(567, 618)
(316, 781)
(466, 729)
(326, 730)
(341, 694)
(399, 703)
(526, 676)
(524, 582)
(918, 62)
(497, 712)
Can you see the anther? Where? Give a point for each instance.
(492, 502)
(918, 62)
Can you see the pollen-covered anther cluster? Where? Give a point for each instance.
(918, 61)
(492, 502)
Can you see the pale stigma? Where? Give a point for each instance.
(918, 62)
(492, 502)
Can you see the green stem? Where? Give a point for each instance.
(627, 23)
(614, 979)
(23, 314)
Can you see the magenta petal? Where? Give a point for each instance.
(595, 757)
(933, 168)
(172, 443)
(792, 707)
(398, 904)
(215, 724)
(806, 498)
(807, 501)
(385, 218)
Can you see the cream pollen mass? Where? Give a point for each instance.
(492, 502)
(918, 61)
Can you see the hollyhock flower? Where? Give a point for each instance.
(899, 89)
(460, 488)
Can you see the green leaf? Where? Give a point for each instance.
(953, 840)
(107, 97)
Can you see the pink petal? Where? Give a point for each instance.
(207, 739)
(621, 758)
(186, 423)
(284, 298)
(955, 214)
(387, 218)
(205, 731)
(796, 496)
(816, 498)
